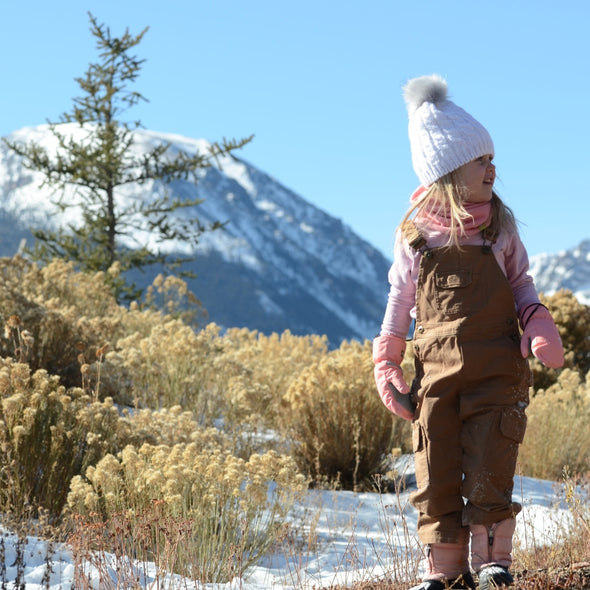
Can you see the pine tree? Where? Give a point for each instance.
(100, 161)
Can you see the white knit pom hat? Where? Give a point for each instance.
(443, 136)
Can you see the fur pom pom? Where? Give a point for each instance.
(424, 89)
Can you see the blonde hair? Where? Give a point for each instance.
(447, 196)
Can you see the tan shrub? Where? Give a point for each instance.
(167, 366)
(558, 431)
(49, 312)
(235, 508)
(337, 425)
(171, 296)
(169, 426)
(237, 379)
(253, 371)
(57, 319)
(47, 435)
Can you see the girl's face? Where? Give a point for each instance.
(478, 178)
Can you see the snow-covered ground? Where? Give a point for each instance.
(358, 536)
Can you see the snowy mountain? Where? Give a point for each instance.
(280, 262)
(568, 269)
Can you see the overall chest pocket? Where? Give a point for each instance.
(452, 290)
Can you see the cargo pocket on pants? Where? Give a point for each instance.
(512, 428)
(513, 424)
(419, 446)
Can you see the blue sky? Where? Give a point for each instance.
(318, 82)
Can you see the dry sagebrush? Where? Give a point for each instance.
(253, 372)
(59, 309)
(237, 378)
(47, 435)
(233, 510)
(558, 430)
(338, 427)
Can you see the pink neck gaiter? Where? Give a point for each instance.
(439, 221)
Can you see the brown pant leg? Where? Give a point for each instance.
(493, 410)
(491, 441)
(437, 446)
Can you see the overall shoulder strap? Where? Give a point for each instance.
(413, 235)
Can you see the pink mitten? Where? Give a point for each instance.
(388, 353)
(540, 336)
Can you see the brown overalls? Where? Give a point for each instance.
(472, 388)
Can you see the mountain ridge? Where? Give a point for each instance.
(567, 269)
(279, 264)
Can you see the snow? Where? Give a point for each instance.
(360, 537)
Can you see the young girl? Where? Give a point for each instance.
(461, 271)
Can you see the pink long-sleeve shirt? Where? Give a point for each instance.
(510, 254)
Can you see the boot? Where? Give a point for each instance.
(447, 568)
(491, 553)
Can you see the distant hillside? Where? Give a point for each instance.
(280, 263)
(569, 269)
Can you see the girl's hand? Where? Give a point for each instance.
(388, 353)
(541, 337)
